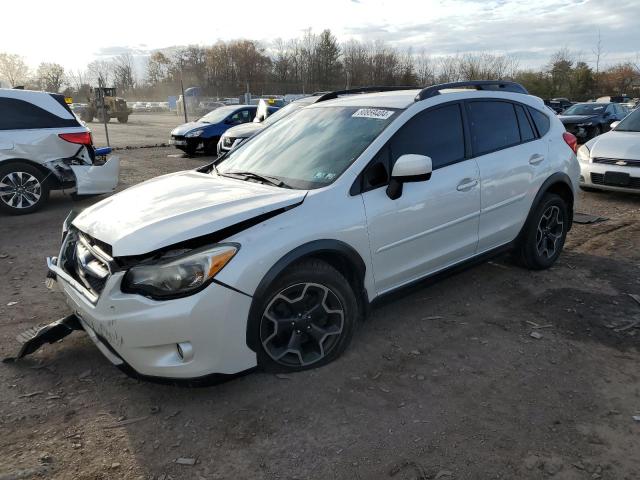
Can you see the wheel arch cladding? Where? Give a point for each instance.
(336, 253)
(560, 184)
(45, 171)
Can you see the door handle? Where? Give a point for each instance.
(466, 184)
(536, 158)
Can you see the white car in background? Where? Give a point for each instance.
(44, 147)
(272, 254)
(612, 161)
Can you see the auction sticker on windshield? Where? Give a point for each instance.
(373, 113)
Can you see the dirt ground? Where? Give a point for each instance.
(142, 130)
(442, 382)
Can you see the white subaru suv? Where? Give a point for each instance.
(269, 256)
(43, 146)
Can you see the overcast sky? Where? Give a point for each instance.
(68, 32)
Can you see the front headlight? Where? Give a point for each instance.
(180, 275)
(193, 133)
(583, 154)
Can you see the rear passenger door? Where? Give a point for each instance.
(512, 161)
(434, 223)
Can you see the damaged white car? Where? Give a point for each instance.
(270, 255)
(44, 147)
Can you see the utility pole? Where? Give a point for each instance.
(184, 99)
(105, 118)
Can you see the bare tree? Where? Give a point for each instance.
(13, 69)
(50, 76)
(100, 72)
(123, 72)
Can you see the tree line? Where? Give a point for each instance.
(318, 62)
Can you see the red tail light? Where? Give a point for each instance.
(571, 140)
(82, 138)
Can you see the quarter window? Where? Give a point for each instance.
(493, 126)
(541, 121)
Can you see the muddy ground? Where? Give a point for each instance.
(442, 382)
(142, 130)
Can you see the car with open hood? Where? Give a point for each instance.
(612, 160)
(270, 255)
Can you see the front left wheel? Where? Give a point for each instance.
(307, 318)
(23, 188)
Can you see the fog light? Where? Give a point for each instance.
(185, 351)
(581, 179)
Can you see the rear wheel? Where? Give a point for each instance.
(23, 188)
(544, 234)
(308, 316)
(123, 118)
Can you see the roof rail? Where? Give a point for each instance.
(336, 93)
(494, 85)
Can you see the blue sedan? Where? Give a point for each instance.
(205, 132)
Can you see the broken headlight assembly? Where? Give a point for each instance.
(173, 276)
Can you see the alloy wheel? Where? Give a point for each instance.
(302, 324)
(20, 190)
(549, 232)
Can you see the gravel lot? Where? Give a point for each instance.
(142, 130)
(441, 382)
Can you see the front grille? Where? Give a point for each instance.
(598, 179)
(617, 161)
(86, 260)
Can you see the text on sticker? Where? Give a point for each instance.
(373, 113)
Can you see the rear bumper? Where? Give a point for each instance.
(97, 179)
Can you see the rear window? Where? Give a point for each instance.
(20, 115)
(541, 120)
(493, 126)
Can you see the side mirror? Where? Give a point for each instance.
(408, 168)
(615, 124)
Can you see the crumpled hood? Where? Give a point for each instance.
(621, 145)
(576, 118)
(187, 127)
(177, 207)
(244, 131)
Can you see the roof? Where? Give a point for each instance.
(51, 102)
(394, 99)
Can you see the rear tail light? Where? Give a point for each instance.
(571, 140)
(81, 138)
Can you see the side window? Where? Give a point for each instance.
(541, 121)
(609, 109)
(20, 115)
(437, 133)
(241, 116)
(493, 126)
(526, 131)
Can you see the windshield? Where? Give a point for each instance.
(586, 109)
(283, 112)
(217, 115)
(310, 149)
(630, 123)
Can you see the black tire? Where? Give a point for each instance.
(321, 336)
(190, 148)
(123, 118)
(211, 146)
(23, 188)
(542, 239)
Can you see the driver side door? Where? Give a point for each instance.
(434, 223)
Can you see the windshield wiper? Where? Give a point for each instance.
(256, 176)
